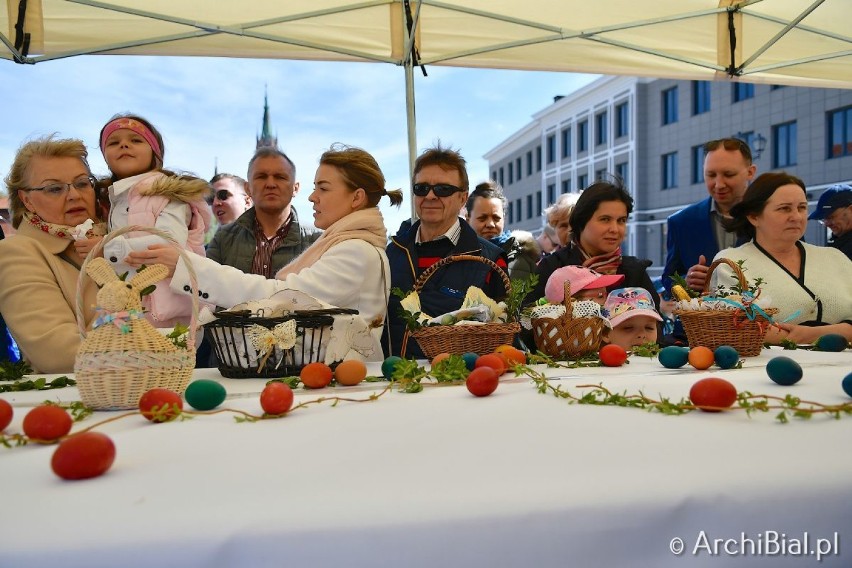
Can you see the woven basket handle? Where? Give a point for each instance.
(421, 280)
(96, 250)
(734, 266)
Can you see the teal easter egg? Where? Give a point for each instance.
(847, 384)
(389, 364)
(204, 394)
(470, 360)
(673, 357)
(831, 342)
(726, 356)
(784, 371)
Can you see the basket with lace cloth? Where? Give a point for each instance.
(460, 339)
(742, 328)
(124, 356)
(251, 346)
(567, 336)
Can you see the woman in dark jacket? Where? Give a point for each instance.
(598, 226)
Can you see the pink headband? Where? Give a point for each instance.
(135, 126)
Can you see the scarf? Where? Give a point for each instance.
(98, 229)
(365, 224)
(603, 263)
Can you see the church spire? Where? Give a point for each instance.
(266, 138)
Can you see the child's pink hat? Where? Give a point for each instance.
(625, 303)
(580, 278)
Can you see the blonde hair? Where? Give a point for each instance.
(45, 147)
(360, 170)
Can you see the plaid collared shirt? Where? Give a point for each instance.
(262, 262)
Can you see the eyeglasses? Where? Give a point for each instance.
(59, 189)
(440, 189)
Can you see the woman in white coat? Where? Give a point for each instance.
(346, 267)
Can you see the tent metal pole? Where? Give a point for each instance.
(410, 114)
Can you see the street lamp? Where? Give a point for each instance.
(757, 143)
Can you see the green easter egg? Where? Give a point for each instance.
(470, 360)
(204, 394)
(831, 342)
(726, 356)
(847, 384)
(784, 371)
(389, 364)
(673, 357)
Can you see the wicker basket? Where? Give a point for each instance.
(238, 359)
(713, 328)
(113, 375)
(567, 337)
(460, 339)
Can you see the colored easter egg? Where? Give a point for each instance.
(726, 356)
(847, 384)
(470, 360)
(204, 394)
(673, 357)
(832, 342)
(389, 364)
(784, 371)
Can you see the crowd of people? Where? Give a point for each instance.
(244, 240)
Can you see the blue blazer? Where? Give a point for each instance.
(690, 234)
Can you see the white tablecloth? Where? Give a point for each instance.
(441, 478)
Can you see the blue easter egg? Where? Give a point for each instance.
(470, 360)
(847, 384)
(831, 342)
(673, 357)
(726, 356)
(204, 394)
(784, 371)
(389, 364)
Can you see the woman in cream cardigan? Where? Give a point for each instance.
(51, 192)
(811, 286)
(346, 267)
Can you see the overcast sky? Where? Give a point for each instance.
(209, 110)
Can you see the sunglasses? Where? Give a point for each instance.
(440, 189)
(221, 195)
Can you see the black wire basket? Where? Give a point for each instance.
(238, 358)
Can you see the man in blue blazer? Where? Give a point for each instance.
(695, 233)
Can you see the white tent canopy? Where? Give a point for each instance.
(792, 42)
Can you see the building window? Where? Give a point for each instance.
(622, 120)
(669, 170)
(529, 163)
(551, 193)
(600, 174)
(670, 106)
(776, 87)
(600, 128)
(551, 148)
(697, 173)
(511, 172)
(840, 133)
(518, 168)
(519, 212)
(566, 186)
(582, 181)
(700, 97)
(494, 174)
(622, 171)
(529, 207)
(510, 212)
(538, 206)
(500, 176)
(743, 91)
(583, 136)
(538, 158)
(566, 142)
(784, 150)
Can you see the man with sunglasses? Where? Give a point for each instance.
(696, 233)
(440, 186)
(229, 199)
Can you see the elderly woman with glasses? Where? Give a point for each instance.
(52, 196)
